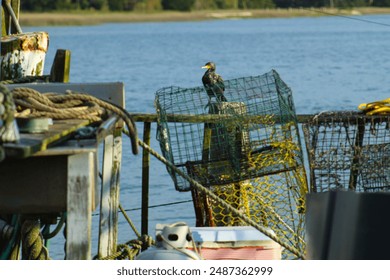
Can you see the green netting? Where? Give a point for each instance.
(246, 151)
(348, 150)
(220, 146)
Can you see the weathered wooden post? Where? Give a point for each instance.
(60, 70)
(22, 54)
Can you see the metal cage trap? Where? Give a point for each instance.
(246, 150)
(348, 150)
(228, 142)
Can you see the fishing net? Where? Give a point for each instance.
(348, 150)
(247, 151)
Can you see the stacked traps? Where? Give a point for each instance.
(247, 151)
(349, 150)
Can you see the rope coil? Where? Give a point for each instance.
(33, 104)
(130, 249)
(381, 107)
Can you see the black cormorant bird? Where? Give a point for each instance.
(213, 82)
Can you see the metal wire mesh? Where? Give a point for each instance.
(246, 150)
(348, 150)
(218, 147)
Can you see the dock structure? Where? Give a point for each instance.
(22, 53)
(53, 173)
(49, 173)
(62, 174)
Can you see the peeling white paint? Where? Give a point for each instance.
(23, 55)
(18, 64)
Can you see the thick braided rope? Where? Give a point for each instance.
(130, 249)
(32, 241)
(61, 106)
(129, 221)
(44, 98)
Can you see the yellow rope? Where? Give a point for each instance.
(129, 221)
(381, 107)
(130, 249)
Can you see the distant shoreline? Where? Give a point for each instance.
(93, 17)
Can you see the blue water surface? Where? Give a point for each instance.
(330, 63)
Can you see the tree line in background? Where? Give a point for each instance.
(187, 5)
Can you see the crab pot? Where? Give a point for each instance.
(222, 142)
(245, 150)
(348, 151)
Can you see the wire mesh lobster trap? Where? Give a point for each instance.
(219, 143)
(246, 150)
(348, 150)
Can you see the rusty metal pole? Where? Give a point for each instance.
(145, 180)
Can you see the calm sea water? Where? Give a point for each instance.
(330, 63)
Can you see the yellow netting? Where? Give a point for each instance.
(276, 201)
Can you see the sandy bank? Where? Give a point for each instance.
(91, 18)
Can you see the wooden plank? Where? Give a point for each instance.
(30, 143)
(70, 147)
(60, 69)
(106, 240)
(81, 182)
(115, 184)
(109, 203)
(109, 199)
(33, 185)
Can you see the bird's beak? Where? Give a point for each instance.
(206, 66)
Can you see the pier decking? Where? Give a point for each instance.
(50, 173)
